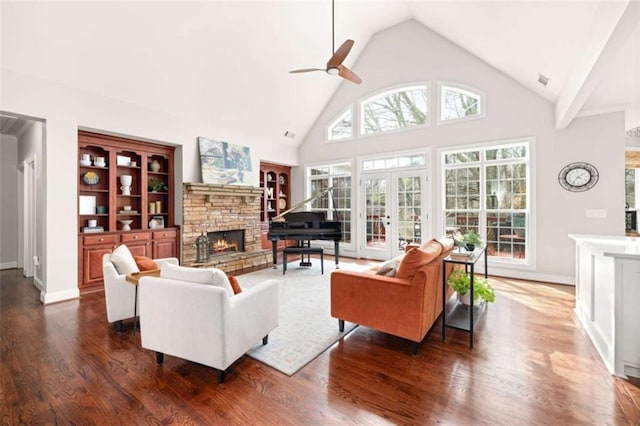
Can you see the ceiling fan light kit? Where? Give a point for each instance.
(334, 65)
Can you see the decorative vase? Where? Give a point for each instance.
(125, 180)
(154, 166)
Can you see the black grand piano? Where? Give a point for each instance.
(304, 226)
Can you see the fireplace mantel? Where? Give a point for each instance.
(210, 190)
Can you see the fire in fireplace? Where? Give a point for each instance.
(223, 242)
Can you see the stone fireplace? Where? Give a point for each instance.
(222, 212)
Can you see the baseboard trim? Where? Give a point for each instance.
(532, 276)
(8, 265)
(37, 283)
(59, 296)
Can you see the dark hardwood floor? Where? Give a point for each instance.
(531, 365)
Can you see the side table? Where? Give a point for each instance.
(461, 316)
(134, 278)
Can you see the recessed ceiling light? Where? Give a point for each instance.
(543, 79)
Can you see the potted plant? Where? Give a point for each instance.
(460, 281)
(156, 185)
(471, 240)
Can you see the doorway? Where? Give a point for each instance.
(28, 213)
(395, 212)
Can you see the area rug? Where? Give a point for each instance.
(306, 327)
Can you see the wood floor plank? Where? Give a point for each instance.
(531, 364)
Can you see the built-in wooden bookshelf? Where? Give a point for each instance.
(110, 212)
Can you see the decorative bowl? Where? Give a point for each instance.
(91, 178)
(103, 164)
(85, 163)
(125, 224)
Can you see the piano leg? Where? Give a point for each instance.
(274, 249)
(336, 245)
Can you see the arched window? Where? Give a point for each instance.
(399, 108)
(457, 102)
(341, 127)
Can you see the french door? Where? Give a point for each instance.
(394, 212)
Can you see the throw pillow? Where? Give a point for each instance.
(211, 276)
(417, 258)
(145, 264)
(235, 285)
(389, 268)
(447, 243)
(123, 260)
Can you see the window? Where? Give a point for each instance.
(458, 103)
(337, 176)
(395, 109)
(340, 128)
(487, 190)
(396, 162)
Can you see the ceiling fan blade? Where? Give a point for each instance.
(348, 74)
(340, 54)
(306, 70)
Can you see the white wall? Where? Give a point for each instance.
(410, 52)
(8, 206)
(65, 111)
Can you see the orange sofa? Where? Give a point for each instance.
(405, 305)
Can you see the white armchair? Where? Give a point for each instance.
(203, 323)
(119, 295)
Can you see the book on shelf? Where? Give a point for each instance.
(128, 212)
(89, 229)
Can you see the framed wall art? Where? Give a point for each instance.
(224, 163)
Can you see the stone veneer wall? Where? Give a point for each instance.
(208, 208)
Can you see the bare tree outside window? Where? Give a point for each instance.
(406, 107)
(341, 127)
(458, 103)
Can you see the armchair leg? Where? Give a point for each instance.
(265, 340)
(414, 348)
(159, 357)
(220, 377)
(118, 326)
(341, 325)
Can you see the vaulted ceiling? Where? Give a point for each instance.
(227, 62)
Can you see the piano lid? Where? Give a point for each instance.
(281, 216)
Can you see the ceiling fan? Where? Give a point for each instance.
(334, 65)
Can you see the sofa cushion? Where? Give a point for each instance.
(145, 264)
(123, 260)
(417, 258)
(447, 243)
(235, 285)
(389, 268)
(211, 276)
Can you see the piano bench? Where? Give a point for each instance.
(302, 250)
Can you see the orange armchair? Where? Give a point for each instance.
(406, 305)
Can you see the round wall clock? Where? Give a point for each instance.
(577, 177)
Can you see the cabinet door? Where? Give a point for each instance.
(164, 248)
(92, 267)
(164, 244)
